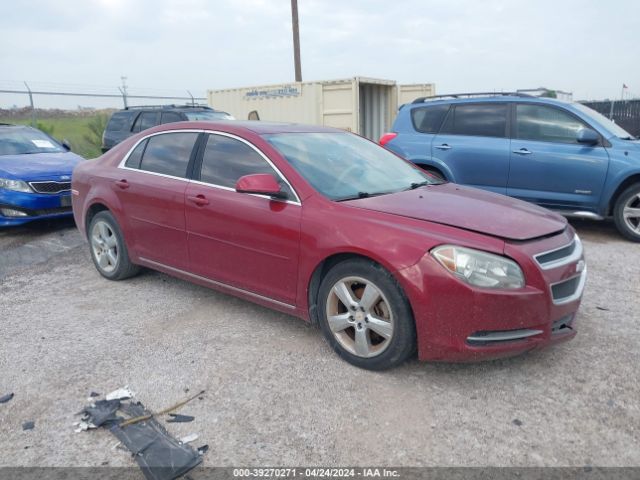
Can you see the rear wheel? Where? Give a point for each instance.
(626, 213)
(365, 316)
(108, 249)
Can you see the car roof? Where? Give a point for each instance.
(246, 126)
(497, 98)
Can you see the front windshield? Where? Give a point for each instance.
(208, 115)
(343, 166)
(26, 140)
(615, 129)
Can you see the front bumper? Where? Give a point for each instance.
(32, 206)
(458, 322)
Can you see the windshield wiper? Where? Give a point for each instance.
(354, 197)
(630, 137)
(415, 185)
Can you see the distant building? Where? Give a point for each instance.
(548, 92)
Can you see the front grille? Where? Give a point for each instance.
(564, 291)
(561, 256)
(51, 187)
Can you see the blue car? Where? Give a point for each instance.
(560, 155)
(35, 176)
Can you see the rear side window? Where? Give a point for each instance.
(169, 117)
(428, 119)
(145, 120)
(546, 124)
(136, 156)
(169, 153)
(120, 121)
(481, 120)
(226, 159)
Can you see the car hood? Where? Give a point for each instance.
(38, 165)
(470, 209)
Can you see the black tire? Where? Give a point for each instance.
(629, 198)
(123, 267)
(402, 342)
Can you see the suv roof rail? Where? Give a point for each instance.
(166, 107)
(471, 95)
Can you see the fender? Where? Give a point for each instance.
(612, 187)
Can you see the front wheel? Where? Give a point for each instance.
(626, 213)
(108, 249)
(365, 316)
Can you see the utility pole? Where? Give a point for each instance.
(33, 109)
(296, 39)
(123, 90)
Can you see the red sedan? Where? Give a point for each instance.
(332, 228)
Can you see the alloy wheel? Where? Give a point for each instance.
(360, 317)
(631, 213)
(105, 246)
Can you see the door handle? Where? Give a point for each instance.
(523, 151)
(444, 146)
(123, 184)
(200, 200)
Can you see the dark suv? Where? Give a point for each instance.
(132, 120)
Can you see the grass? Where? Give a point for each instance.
(74, 129)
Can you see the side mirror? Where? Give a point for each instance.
(66, 145)
(588, 136)
(260, 183)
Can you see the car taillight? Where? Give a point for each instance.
(386, 138)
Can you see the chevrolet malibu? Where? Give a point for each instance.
(329, 227)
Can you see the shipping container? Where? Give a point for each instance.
(362, 105)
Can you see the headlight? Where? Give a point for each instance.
(15, 185)
(479, 268)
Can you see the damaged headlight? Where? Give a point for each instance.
(479, 268)
(15, 185)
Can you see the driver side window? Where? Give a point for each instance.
(226, 159)
(546, 124)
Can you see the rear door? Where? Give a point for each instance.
(548, 165)
(151, 185)
(146, 120)
(247, 241)
(473, 142)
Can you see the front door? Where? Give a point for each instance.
(549, 166)
(250, 242)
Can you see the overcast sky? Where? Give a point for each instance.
(588, 47)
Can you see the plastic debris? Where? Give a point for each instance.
(120, 394)
(203, 449)
(101, 412)
(28, 425)
(189, 438)
(159, 455)
(177, 418)
(6, 398)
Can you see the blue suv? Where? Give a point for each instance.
(563, 156)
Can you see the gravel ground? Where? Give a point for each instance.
(277, 395)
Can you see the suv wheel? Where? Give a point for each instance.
(626, 213)
(365, 316)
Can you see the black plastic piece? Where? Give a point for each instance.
(6, 398)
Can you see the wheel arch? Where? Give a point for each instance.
(91, 212)
(626, 183)
(323, 267)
